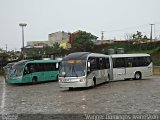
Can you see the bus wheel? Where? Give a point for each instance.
(107, 81)
(94, 82)
(70, 88)
(34, 80)
(137, 76)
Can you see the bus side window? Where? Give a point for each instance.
(129, 62)
(148, 60)
(31, 68)
(49, 66)
(102, 63)
(26, 71)
(118, 62)
(93, 65)
(98, 63)
(107, 63)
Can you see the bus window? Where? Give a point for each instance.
(49, 66)
(143, 61)
(107, 63)
(131, 62)
(148, 60)
(102, 62)
(93, 64)
(31, 68)
(118, 62)
(26, 71)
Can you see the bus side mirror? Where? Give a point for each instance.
(89, 64)
(57, 65)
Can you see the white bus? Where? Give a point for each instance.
(84, 69)
(130, 66)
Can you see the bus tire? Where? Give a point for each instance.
(107, 81)
(94, 82)
(70, 88)
(34, 80)
(137, 76)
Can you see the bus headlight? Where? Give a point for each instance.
(60, 79)
(82, 80)
(19, 77)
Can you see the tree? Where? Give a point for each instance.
(83, 42)
(138, 37)
(3, 59)
(55, 50)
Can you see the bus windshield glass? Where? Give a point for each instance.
(17, 69)
(73, 68)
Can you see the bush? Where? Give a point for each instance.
(1, 71)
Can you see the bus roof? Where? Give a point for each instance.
(77, 56)
(98, 55)
(44, 61)
(83, 55)
(130, 55)
(23, 62)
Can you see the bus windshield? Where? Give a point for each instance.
(17, 69)
(72, 68)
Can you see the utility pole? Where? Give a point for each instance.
(151, 31)
(102, 35)
(6, 48)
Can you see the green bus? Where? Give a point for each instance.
(33, 71)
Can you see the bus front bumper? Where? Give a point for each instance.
(72, 84)
(80, 82)
(14, 80)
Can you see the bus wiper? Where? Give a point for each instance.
(75, 72)
(66, 73)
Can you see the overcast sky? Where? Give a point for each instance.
(115, 17)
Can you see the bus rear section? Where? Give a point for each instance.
(131, 66)
(83, 69)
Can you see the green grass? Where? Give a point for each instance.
(142, 51)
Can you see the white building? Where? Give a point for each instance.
(58, 37)
(61, 37)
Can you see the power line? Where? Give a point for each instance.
(116, 30)
(141, 27)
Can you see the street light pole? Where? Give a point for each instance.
(22, 25)
(151, 31)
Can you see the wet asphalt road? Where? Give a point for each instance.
(122, 97)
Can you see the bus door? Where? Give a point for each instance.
(100, 72)
(26, 75)
(131, 64)
(37, 70)
(104, 64)
(119, 70)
